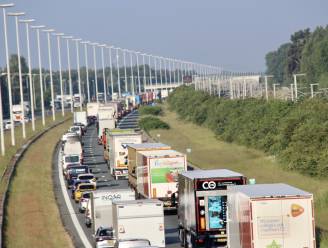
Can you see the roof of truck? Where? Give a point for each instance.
(218, 173)
(148, 146)
(269, 190)
(141, 202)
(160, 153)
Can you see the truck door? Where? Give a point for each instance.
(298, 222)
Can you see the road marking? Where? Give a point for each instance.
(76, 222)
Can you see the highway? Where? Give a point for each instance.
(93, 155)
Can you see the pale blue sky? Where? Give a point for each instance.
(235, 34)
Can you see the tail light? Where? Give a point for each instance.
(202, 223)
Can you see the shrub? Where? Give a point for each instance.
(150, 122)
(150, 110)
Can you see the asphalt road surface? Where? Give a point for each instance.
(93, 156)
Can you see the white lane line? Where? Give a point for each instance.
(76, 222)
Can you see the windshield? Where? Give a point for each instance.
(79, 170)
(72, 159)
(87, 177)
(105, 232)
(87, 187)
(75, 129)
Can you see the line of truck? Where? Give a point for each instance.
(215, 208)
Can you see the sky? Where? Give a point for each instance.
(233, 34)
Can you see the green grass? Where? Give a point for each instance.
(207, 152)
(32, 218)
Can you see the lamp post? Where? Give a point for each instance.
(3, 148)
(125, 74)
(170, 70)
(77, 48)
(138, 71)
(95, 67)
(160, 71)
(103, 67)
(165, 71)
(49, 31)
(85, 43)
(118, 72)
(132, 79)
(12, 129)
(144, 71)
(58, 35)
(16, 15)
(150, 78)
(156, 78)
(37, 28)
(68, 38)
(111, 68)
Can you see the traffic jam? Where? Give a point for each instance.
(146, 182)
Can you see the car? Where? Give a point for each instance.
(88, 176)
(70, 159)
(83, 187)
(132, 243)
(6, 124)
(74, 185)
(74, 171)
(84, 201)
(76, 129)
(69, 167)
(104, 236)
(83, 127)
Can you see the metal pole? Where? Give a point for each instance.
(95, 68)
(118, 73)
(20, 71)
(12, 128)
(86, 67)
(132, 78)
(69, 71)
(3, 148)
(111, 69)
(150, 79)
(104, 76)
(160, 72)
(138, 71)
(77, 48)
(144, 71)
(165, 72)
(125, 74)
(60, 73)
(156, 78)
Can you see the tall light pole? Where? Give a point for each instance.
(160, 71)
(68, 38)
(85, 43)
(144, 71)
(150, 78)
(132, 78)
(3, 148)
(12, 129)
(138, 71)
(58, 35)
(118, 72)
(295, 83)
(77, 48)
(170, 70)
(103, 67)
(49, 31)
(111, 68)
(37, 28)
(16, 15)
(125, 74)
(165, 71)
(95, 67)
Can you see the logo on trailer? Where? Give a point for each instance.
(209, 185)
(296, 210)
(273, 245)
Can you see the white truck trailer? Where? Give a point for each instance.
(140, 219)
(157, 174)
(202, 206)
(270, 215)
(92, 111)
(99, 211)
(118, 152)
(81, 117)
(132, 158)
(105, 120)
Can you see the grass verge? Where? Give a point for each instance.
(207, 152)
(32, 216)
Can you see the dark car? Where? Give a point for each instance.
(74, 185)
(74, 171)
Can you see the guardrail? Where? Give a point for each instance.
(8, 173)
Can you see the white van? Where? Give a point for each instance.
(73, 148)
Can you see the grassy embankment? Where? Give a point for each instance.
(208, 153)
(32, 216)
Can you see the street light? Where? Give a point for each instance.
(16, 15)
(49, 31)
(103, 65)
(78, 69)
(68, 38)
(27, 21)
(4, 6)
(37, 28)
(95, 67)
(144, 70)
(58, 35)
(85, 43)
(118, 72)
(111, 68)
(149, 64)
(138, 72)
(132, 78)
(125, 74)
(3, 149)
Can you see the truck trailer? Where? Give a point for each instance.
(105, 120)
(139, 219)
(92, 111)
(202, 206)
(132, 158)
(157, 174)
(118, 152)
(270, 215)
(81, 117)
(99, 211)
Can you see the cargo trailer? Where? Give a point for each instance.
(92, 111)
(139, 219)
(157, 174)
(81, 117)
(132, 158)
(105, 120)
(202, 206)
(270, 215)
